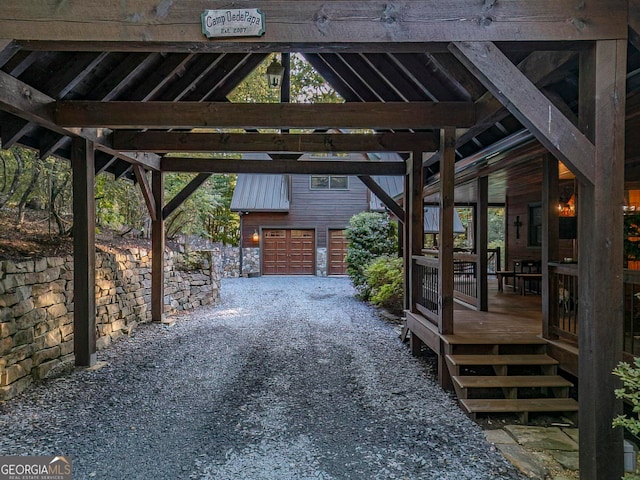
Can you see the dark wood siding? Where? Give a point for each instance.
(519, 248)
(319, 209)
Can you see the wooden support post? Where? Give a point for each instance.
(600, 223)
(406, 241)
(84, 253)
(445, 241)
(550, 237)
(415, 217)
(482, 229)
(157, 249)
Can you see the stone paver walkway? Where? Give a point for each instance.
(539, 452)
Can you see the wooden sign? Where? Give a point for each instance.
(245, 22)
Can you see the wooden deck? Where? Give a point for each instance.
(509, 314)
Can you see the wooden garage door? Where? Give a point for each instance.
(337, 251)
(288, 252)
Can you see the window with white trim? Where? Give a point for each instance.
(329, 182)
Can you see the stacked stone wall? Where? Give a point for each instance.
(36, 306)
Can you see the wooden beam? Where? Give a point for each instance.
(391, 116)
(164, 142)
(292, 24)
(414, 208)
(600, 271)
(8, 48)
(12, 129)
(183, 194)
(482, 229)
(445, 240)
(445, 248)
(503, 79)
(84, 253)
(157, 249)
(384, 197)
(634, 17)
(24, 101)
(145, 188)
(550, 240)
(104, 163)
(310, 167)
(539, 67)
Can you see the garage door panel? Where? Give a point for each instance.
(288, 252)
(338, 244)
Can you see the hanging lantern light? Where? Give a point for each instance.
(275, 71)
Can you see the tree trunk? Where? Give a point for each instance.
(56, 190)
(16, 177)
(36, 170)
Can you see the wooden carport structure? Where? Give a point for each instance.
(102, 84)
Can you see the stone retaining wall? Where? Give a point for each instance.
(36, 306)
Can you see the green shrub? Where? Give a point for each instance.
(370, 235)
(385, 280)
(630, 392)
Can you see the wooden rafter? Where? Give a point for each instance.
(314, 24)
(634, 17)
(30, 104)
(395, 115)
(523, 99)
(163, 142)
(538, 67)
(384, 197)
(225, 165)
(145, 188)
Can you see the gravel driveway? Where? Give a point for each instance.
(289, 378)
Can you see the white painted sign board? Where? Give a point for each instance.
(243, 22)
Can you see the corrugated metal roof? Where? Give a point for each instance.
(261, 193)
(432, 220)
(392, 185)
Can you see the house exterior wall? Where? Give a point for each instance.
(519, 248)
(320, 210)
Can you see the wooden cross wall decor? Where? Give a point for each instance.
(517, 224)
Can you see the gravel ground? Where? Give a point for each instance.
(289, 378)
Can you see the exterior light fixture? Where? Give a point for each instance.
(275, 71)
(255, 236)
(568, 208)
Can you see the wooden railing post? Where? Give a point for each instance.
(550, 243)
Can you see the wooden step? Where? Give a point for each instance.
(512, 381)
(458, 360)
(520, 406)
(493, 339)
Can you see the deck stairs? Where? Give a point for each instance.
(507, 373)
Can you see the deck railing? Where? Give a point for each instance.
(563, 283)
(563, 295)
(632, 312)
(426, 301)
(465, 280)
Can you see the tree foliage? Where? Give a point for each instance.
(370, 235)
(307, 86)
(45, 184)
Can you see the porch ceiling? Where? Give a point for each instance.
(371, 71)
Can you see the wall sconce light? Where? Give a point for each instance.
(255, 236)
(568, 209)
(275, 71)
